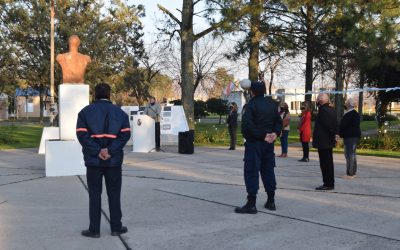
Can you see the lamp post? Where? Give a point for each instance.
(52, 105)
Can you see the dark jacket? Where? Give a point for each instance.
(103, 125)
(325, 128)
(232, 119)
(260, 116)
(350, 125)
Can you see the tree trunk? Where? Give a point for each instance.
(41, 101)
(361, 96)
(255, 38)
(187, 40)
(220, 119)
(310, 51)
(339, 84)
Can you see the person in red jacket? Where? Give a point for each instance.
(305, 130)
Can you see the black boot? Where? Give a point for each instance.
(250, 207)
(270, 204)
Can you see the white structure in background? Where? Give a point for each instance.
(234, 93)
(64, 154)
(173, 121)
(143, 136)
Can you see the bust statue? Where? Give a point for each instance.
(73, 64)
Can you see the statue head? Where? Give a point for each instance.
(74, 43)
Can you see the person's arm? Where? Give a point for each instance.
(123, 136)
(286, 120)
(89, 145)
(278, 123)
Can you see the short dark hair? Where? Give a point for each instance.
(102, 91)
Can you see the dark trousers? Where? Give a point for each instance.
(232, 135)
(158, 127)
(326, 164)
(284, 141)
(259, 158)
(306, 150)
(350, 146)
(113, 178)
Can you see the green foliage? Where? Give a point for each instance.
(108, 35)
(389, 141)
(22, 136)
(7, 135)
(217, 106)
(200, 109)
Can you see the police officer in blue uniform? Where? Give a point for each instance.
(103, 129)
(261, 124)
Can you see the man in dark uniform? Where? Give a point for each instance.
(261, 124)
(324, 139)
(103, 130)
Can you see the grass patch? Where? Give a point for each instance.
(20, 136)
(368, 152)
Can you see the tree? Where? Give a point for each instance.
(220, 79)
(217, 106)
(107, 35)
(184, 28)
(306, 32)
(200, 109)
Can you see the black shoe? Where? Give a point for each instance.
(249, 208)
(231, 149)
(89, 234)
(158, 149)
(122, 231)
(304, 160)
(324, 188)
(270, 205)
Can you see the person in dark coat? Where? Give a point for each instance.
(103, 129)
(324, 139)
(350, 131)
(232, 125)
(261, 124)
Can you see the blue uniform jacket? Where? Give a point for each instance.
(103, 125)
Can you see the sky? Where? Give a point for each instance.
(290, 76)
(153, 13)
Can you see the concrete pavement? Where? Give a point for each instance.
(173, 201)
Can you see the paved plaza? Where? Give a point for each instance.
(173, 201)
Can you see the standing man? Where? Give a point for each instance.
(324, 139)
(103, 130)
(261, 124)
(232, 124)
(153, 109)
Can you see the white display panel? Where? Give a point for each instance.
(143, 134)
(72, 99)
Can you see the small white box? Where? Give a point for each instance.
(64, 158)
(49, 133)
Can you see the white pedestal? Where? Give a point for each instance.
(73, 98)
(143, 135)
(49, 133)
(64, 158)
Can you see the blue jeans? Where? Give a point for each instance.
(259, 158)
(284, 141)
(350, 146)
